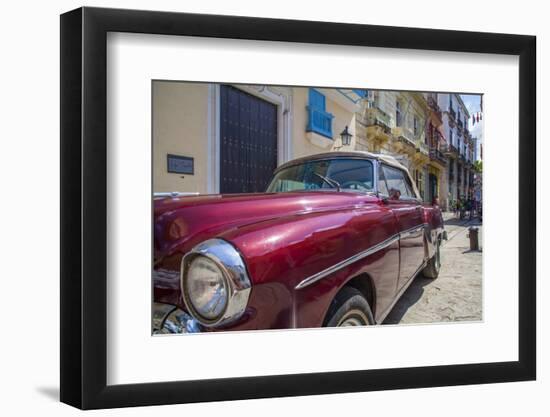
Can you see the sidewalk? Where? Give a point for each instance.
(454, 225)
(457, 294)
(450, 216)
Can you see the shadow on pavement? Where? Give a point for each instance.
(408, 299)
(454, 221)
(473, 251)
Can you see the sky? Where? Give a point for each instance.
(473, 104)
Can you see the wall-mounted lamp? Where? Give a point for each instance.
(346, 137)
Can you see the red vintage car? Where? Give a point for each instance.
(334, 241)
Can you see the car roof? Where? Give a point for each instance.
(385, 158)
(388, 159)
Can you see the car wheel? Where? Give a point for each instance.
(349, 308)
(434, 264)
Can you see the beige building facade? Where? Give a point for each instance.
(212, 138)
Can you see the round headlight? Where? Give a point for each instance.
(206, 288)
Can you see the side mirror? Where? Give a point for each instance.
(383, 198)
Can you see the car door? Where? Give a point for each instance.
(409, 216)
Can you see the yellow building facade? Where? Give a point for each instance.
(395, 123)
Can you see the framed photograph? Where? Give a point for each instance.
(257, 208)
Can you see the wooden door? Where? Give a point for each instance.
(248, 141)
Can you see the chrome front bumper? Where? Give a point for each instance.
(168, 319)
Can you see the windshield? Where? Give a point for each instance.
(346, 174)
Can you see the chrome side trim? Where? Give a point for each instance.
(174, 194)
(320, 275)
(413, 231)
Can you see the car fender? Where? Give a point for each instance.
(283, 253)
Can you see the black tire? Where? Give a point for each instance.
(434, 264)
(349, 308)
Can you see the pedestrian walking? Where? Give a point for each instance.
(470, 208)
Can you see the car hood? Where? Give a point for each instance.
(182, 222)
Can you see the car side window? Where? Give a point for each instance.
(409, 186)
(395, 182)
(382, 187)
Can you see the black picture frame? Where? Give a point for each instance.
(84, 207)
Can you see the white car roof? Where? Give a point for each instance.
(387, 159)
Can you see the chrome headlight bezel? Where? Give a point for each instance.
(232, 266)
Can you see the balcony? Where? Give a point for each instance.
(319, 122)
(422, 147)
(378, 126)
(422, 154)
(437, 156)
(404, 142)
(460, 125)
(434, 107)
(404, 135)
(376, 117)
(449, 150)
(452, 113)
(432, 102)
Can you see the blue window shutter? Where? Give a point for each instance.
(316, 99)
(319, 120)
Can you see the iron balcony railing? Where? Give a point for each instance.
(432, 102)
(452, 113)
(437, 155)
(449, 149)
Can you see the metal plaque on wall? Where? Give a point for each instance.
(180, 164)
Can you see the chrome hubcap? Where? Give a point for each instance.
(353, 318)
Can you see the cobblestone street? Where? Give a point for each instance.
(457, 294)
